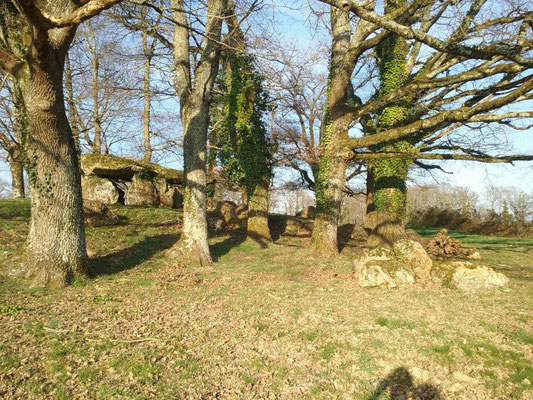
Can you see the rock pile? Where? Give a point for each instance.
(443, 246)
(96, 213)
(408, 262)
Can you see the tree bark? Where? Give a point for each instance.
(389, 176)
(72, 110)
(17, 178)
(195, 97)
(328, 193)
(193, 244)
(55, 249)
(258, 230)
(332, 161)
(97, 123)
(146, 112)
(147, 53)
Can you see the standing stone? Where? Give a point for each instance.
(169, 195)
(142, 192)
(99, 189)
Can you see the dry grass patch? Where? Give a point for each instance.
(274, 323)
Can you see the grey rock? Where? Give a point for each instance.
(99, 189)
(142, 192)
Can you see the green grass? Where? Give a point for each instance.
(394, 323)
(10, 310)
(523, 336)
(15, 209)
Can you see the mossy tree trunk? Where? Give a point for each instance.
(329, 189)
(245, 137)
(55, 249)
(329, 183)
(389, 175)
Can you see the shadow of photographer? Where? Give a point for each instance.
(399, 385)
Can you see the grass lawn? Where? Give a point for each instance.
(274, 323)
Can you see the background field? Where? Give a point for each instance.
(274, 323)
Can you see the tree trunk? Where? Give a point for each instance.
(258, 230)
(328, 193)
(389, 176)
(55, 249)
(147, 98)
(329, 183)
(97, 140)
(195, 96)
(72, 110)
(17, 178)
(370, 207)
(193, 244)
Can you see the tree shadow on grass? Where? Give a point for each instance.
(344, 235)
(398, 385)
(132, 256)
(224, 247)
(235, 239)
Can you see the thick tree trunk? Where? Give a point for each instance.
(17, 178)
(195, 99)
(389, 176)
(328, 189)
(328, 193)
(193, 244)
(55, 249)
(329, 183)
(258, 230)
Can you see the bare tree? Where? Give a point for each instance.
(100, 112)
(298, 88)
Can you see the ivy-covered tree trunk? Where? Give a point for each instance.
(329, 183)
(17, 178)
(55, 249)
(389, 175)
(245, 149)
(258, 230)
(328, 192)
